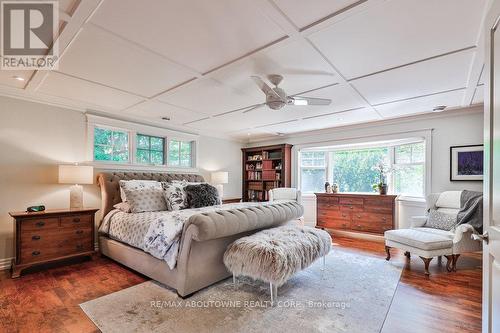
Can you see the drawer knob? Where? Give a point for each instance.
(359, 216)
(343, 215)
(359, 226)
(79, 232)
(36, 237)
(351, 207)
(35, 253)
(40, 224)
(76, 219)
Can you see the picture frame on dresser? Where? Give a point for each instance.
(467, 163)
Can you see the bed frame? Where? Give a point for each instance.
(204, 239)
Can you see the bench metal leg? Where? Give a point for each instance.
(274, 292)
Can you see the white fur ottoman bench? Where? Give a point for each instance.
(274, 255)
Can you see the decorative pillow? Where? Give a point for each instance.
(145, 199)
(440, 220)
(201, 195)
(174, 195)
(123, 206)
(136, 184)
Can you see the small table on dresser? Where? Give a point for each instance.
(51, 235)
(367, 213)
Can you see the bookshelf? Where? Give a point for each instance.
(265, 168)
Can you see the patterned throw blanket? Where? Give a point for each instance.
(158, 233)
(471, 210)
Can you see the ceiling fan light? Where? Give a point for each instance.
(300, 102)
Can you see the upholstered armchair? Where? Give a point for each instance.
(427, 241)
(282, 194)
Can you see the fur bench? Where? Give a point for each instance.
(274, 255)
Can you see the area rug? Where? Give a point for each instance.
(353, 294)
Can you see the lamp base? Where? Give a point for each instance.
(76, 197)
(220, 189)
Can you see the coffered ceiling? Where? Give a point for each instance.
(190, 61)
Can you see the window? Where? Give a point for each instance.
(409, 166)
(110, 145)
(150, 149)
(313, 171)
(353, 169)
(180, 153)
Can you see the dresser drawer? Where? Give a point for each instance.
(38, 238)
(30, 255)
(39, 224)
(75, 221)
(333, 223)
(351, 201)
(335, 214)
(372, 217)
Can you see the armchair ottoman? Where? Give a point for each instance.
(428, 242)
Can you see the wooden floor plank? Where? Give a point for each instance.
(47, 300)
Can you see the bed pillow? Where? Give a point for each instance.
(136, 184)
(149, 199)
(123, 206)
(174, 195)
(440, 220)
(201, 195)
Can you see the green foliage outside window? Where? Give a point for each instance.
(110, 145)
(353, 170)
(150, 149)
(180, 153)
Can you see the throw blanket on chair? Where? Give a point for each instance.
(471, 210)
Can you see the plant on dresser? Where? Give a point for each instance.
(368, 213)
(51, 235)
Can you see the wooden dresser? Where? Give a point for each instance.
(368, 213)
(51, 235)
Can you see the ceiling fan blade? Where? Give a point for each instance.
(298, 100)
(266, 89)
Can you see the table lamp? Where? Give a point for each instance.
(77, 175)
(219, 178)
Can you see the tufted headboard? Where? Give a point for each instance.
(110, 186)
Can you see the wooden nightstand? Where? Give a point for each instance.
(51, 235)
(231, 200)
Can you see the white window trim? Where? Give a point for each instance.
(364, 142)
(133, 129)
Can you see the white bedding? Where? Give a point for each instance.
(157, 233)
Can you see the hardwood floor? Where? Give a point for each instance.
(444, 302)
(47, 301)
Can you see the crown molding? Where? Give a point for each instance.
(460, 111)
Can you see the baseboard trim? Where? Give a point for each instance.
(5, 264)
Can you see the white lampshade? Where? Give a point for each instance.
(220, 177)
(76, 174)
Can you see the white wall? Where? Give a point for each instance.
(454, 128)
(35, 138)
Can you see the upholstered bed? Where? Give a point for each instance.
(203, 240)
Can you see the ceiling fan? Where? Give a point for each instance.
(276, 98)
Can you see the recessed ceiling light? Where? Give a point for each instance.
(280, 134)
(18, 78)
(165, 118)
(439, 108)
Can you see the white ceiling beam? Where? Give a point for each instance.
(477, 62)
(80, 16)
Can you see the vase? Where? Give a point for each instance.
(383, 189)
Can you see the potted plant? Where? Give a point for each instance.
(383, 170)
